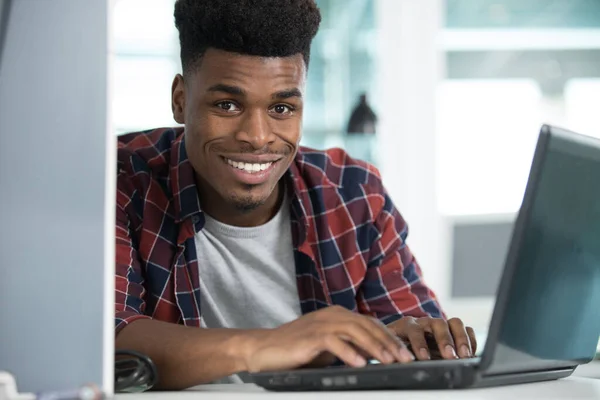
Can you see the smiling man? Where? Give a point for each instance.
(237, 249)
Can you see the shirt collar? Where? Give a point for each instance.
(297, 191)
(185, 192)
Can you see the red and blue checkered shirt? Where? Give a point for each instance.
(349, 240)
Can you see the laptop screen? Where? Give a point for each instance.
(552, 311)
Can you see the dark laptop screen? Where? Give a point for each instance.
(552, 311)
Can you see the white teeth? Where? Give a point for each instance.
(250, 168)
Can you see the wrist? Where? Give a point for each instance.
(243, 346)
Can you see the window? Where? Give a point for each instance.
(582, 97)
(487, 130)
(145, 60)
(511, 66)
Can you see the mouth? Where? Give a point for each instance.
(251, 171)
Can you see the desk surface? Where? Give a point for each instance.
(570, 388)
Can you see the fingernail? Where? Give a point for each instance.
(360, 361)
(387, 357)
(450, 351)
(406, 355)
(424, 354)
(464, 351)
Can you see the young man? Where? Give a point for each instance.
(238, 250)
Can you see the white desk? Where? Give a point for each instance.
(571, 388)
(591, 370)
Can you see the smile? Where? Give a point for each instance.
(248, 167)
(251, 170)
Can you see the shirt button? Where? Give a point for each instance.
(195, 219)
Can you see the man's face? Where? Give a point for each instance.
(243, 117)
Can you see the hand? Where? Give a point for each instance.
(321, 336)
(451, 338)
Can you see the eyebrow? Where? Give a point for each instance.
(286, 94)
(232, 90)
(238, 91)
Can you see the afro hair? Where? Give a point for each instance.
(266, 28)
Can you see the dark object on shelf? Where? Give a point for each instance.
(362, 119)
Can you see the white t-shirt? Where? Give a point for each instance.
(247, 275)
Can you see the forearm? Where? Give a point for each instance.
(186, 356)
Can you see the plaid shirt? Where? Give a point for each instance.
(348, 238)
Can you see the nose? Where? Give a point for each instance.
(255, 130)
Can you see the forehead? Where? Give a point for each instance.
(252, 73)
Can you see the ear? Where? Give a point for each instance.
(178, 99)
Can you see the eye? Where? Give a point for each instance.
(282, 109)
(228, 106)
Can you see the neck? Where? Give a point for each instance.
(221, 210)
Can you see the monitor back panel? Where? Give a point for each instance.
(56, 199)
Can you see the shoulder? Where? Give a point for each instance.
(146, 151)
(336, 168)
(340, 186)
(143, 163)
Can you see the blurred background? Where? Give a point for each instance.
(459, 89)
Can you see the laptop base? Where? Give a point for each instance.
(522, 377)
(427, 375)
(435, 376)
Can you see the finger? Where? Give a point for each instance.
(415, 333)
(342, 350)
(462, 343)
(473, 340)
(443, 337)
(390, 340)
(370, 335)
(358, 329)
(366, 340)
(324, 359)
(432, 345)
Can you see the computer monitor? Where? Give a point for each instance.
(57, 191)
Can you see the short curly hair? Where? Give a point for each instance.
(267, 28)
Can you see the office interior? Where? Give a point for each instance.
(460, 89)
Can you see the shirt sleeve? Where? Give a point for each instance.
(129, 281)
(393, 286)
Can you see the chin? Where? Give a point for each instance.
(246, 202)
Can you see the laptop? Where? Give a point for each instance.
(546, 319)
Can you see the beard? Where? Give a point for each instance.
(247, 202)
